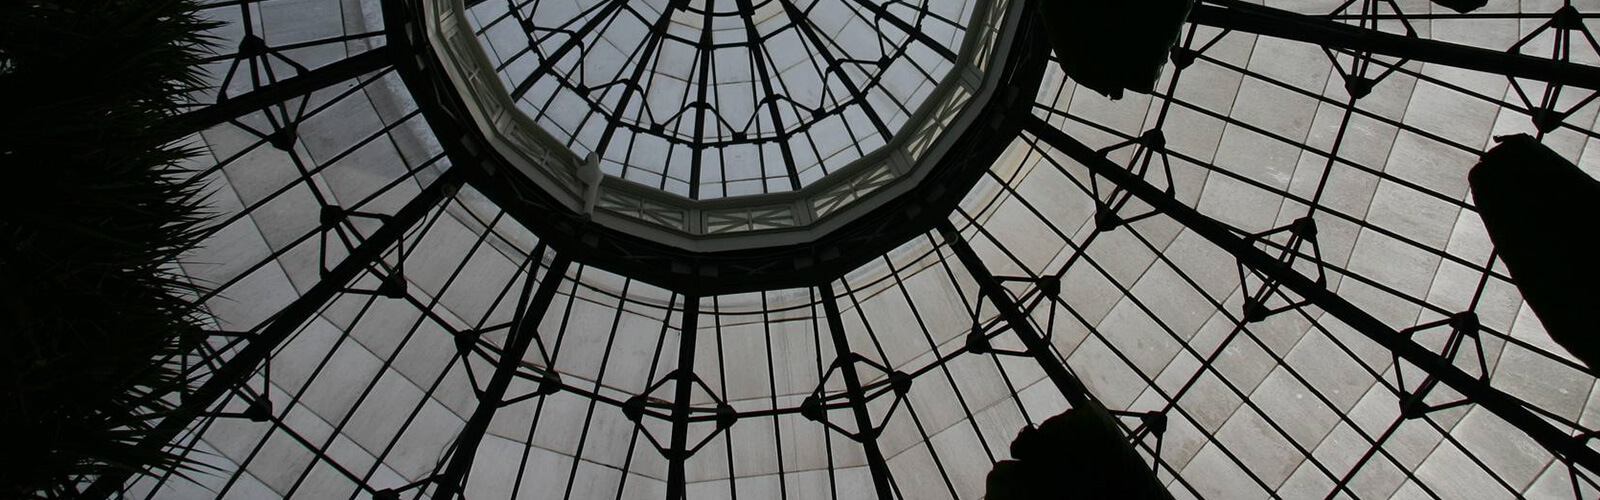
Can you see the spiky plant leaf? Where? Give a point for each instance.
(93, 208)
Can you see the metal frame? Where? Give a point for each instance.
(825, 262)
(679, 447)
(1478, 391)
(1038, 348)
(530, 314)
(238, 369)
(745, 222)
(791, 264)
(282, 91)
(866, 434)
(961, 75)
(1249, 18)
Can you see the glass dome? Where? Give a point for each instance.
(1270, 268)
(709, 99)
(710, 128)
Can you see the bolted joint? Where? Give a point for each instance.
(252, 46)
(393, 286)
(1549, 119)
(1465, 323)
(726, 416)
(466, 341)
(259, 410)
(549, 384)
(977, 342)
(1183, 58)
(633, 409)
(900, 382)
(1411, 406)
(1155, 421)
(1106, 219)
(1305, 228)
(1050, 286)
(1255, 311)
(1359, 87)
(1154, 139)
(284, 138)
(811, 409)
(331, 215)
(1567, 18)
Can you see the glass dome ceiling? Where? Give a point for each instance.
(387, 325)
(707, 99)
(701, 123)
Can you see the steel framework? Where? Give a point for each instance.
(227, 368)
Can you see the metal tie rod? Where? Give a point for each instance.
(238, 369)
(1501, 404)
(453, 480)
(1277, 23)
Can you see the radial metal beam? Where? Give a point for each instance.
(236, 371)
(758, 58)
(1239, 16)
(574, 40)
(1010, 311)
(453, 479)
(289, 88)
(868, 437)
(678, 452)
(881, 13)
(1503, 405)
(819, 45)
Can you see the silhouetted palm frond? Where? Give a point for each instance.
(94, 208)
